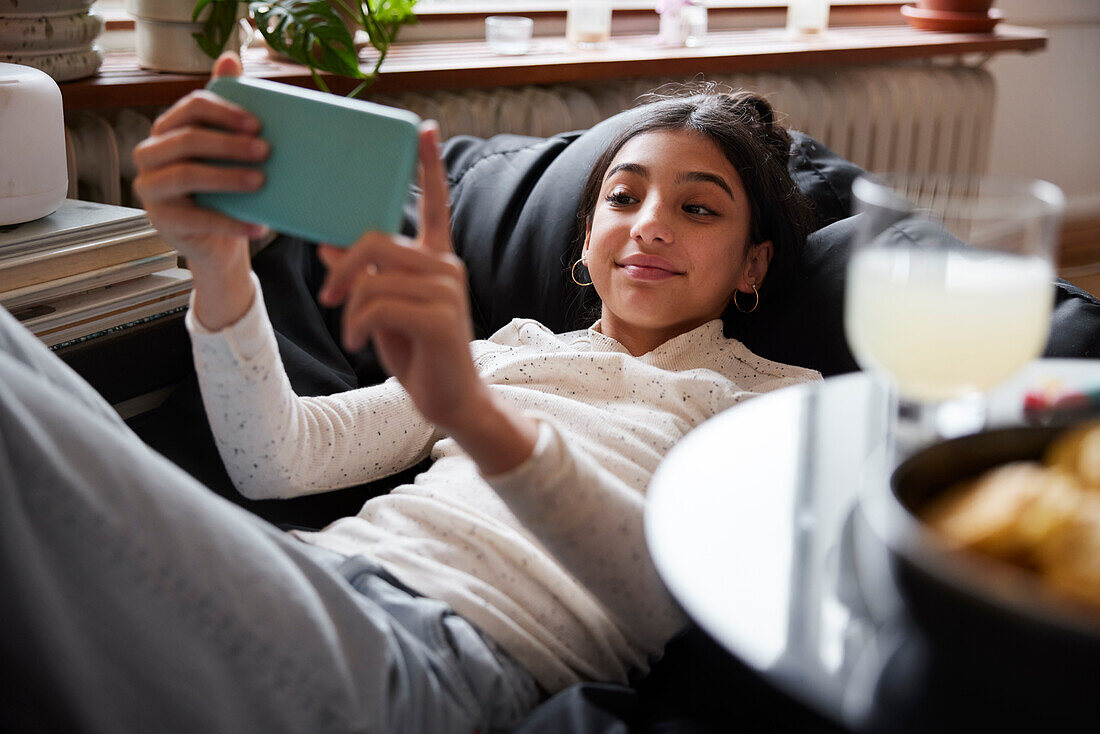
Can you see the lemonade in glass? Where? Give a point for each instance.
(950, 284)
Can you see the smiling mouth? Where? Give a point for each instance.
(648, 268)
(640, 272)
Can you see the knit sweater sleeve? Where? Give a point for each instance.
(276, 444)
(592, 522)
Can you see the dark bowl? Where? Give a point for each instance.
(995, 623)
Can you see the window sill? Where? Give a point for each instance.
(433, 18)
(469, 63)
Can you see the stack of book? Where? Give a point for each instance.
(87, 270)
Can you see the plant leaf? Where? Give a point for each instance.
(309, 32)
(198, 9)
(384, 18)
(218, 28)
(395, 11)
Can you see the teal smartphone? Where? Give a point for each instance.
(338, 167)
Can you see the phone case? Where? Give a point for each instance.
(338, 167)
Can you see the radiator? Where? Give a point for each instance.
(884, 118)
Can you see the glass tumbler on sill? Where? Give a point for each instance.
(807, 17)
(950, 290)
(588, 23)
(508, 35)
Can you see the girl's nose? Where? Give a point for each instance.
(652, 224)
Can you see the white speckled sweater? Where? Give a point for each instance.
(548, 559)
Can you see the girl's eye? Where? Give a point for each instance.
(620, 198)
(697, 209)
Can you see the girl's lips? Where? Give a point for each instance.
(648, 267)
(642, 272)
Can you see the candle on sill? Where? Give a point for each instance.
(807, 17)
(588, 23)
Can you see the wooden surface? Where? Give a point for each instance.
(464, 64)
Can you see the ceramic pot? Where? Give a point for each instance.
(37, 8)
(176, 11)
(27, 34)
(53, 36)
(163, 36)
(62, 65)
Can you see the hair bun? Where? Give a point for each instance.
(758, 113)
(754, 105)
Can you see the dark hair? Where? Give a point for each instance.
(743, 126)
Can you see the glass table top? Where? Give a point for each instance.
(755, 526)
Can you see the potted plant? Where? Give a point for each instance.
(319, 34)
(163, 31)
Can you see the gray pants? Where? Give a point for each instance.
(135, 600)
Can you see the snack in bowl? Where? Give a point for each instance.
(1042, 516)
(1078, 453)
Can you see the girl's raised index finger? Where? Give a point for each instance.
(435, 214)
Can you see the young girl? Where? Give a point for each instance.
(513, 567)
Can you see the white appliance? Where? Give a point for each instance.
(33, 173)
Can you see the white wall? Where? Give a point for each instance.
(1048, 102)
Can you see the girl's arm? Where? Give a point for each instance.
(295, 445)
(275, 444)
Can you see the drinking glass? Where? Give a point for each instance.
(508, 35)
(950, 289)
(588, 23)
(807, 17)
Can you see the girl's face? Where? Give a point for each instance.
(669, 239)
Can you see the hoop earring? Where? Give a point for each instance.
(754, 305)
(573, 273)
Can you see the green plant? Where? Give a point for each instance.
(314, 33)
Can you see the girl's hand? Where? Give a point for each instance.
(171, 165)
(410, 298)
